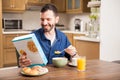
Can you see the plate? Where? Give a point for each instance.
(42, 73)
(70, 64)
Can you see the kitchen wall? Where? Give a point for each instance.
(71, 17)
(31, 19)
(110, 30)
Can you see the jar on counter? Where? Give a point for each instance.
(93, 28)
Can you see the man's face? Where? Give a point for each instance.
(48, 20)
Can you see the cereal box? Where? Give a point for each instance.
(29, 45)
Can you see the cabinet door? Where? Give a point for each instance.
(6, 4)
(69, 4)
(77, 6)
(13, 5)
(60, 4)
(9, 57)
(19, 5)
(88, 49)
(9, 52)
(1, 43)
(7, 40)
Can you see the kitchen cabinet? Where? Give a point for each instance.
(38, 2)
(71, 36)
(77, 6)
(78, 35)
(87, 48)
(60, 4)
(9, 57)
(1, 46)
(9, 52)
(13, 5)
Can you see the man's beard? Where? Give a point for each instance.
(50, 25)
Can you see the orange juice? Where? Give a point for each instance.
(81, 63)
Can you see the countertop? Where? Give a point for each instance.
(84, 38)
(74, 32)
(16, 32)
(29, 31)
(65, 31)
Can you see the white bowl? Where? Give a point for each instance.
(59, 61)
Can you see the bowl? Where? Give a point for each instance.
(59, 61)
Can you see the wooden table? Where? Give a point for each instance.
(96, 70)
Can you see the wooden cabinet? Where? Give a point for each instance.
(9, 57)
(60, 4)
(1, 44)
(90, 49)
(87, 48)
(38, 2)
(9, 52)
(77, 6)
(74, 35)
(71, 36)
(13, 5)
(7, 40)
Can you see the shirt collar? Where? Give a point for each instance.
(43, 35)
(57, 34)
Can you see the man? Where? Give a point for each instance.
(50, 38)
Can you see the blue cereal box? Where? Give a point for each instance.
(29, 45)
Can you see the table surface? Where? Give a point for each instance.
(96, 70)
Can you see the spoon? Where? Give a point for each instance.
(58, 52)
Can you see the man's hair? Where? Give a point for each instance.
(49, 7)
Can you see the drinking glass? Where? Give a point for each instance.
(81, 63)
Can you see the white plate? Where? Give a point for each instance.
(44, 72)
(70, 64)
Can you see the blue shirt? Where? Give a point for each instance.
(60, 43)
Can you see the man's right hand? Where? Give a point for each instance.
(24, 61)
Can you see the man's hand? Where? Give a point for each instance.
(71, 50)
(23, 61)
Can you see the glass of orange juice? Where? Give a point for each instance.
(81, 63)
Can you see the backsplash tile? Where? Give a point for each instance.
(31, 19)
